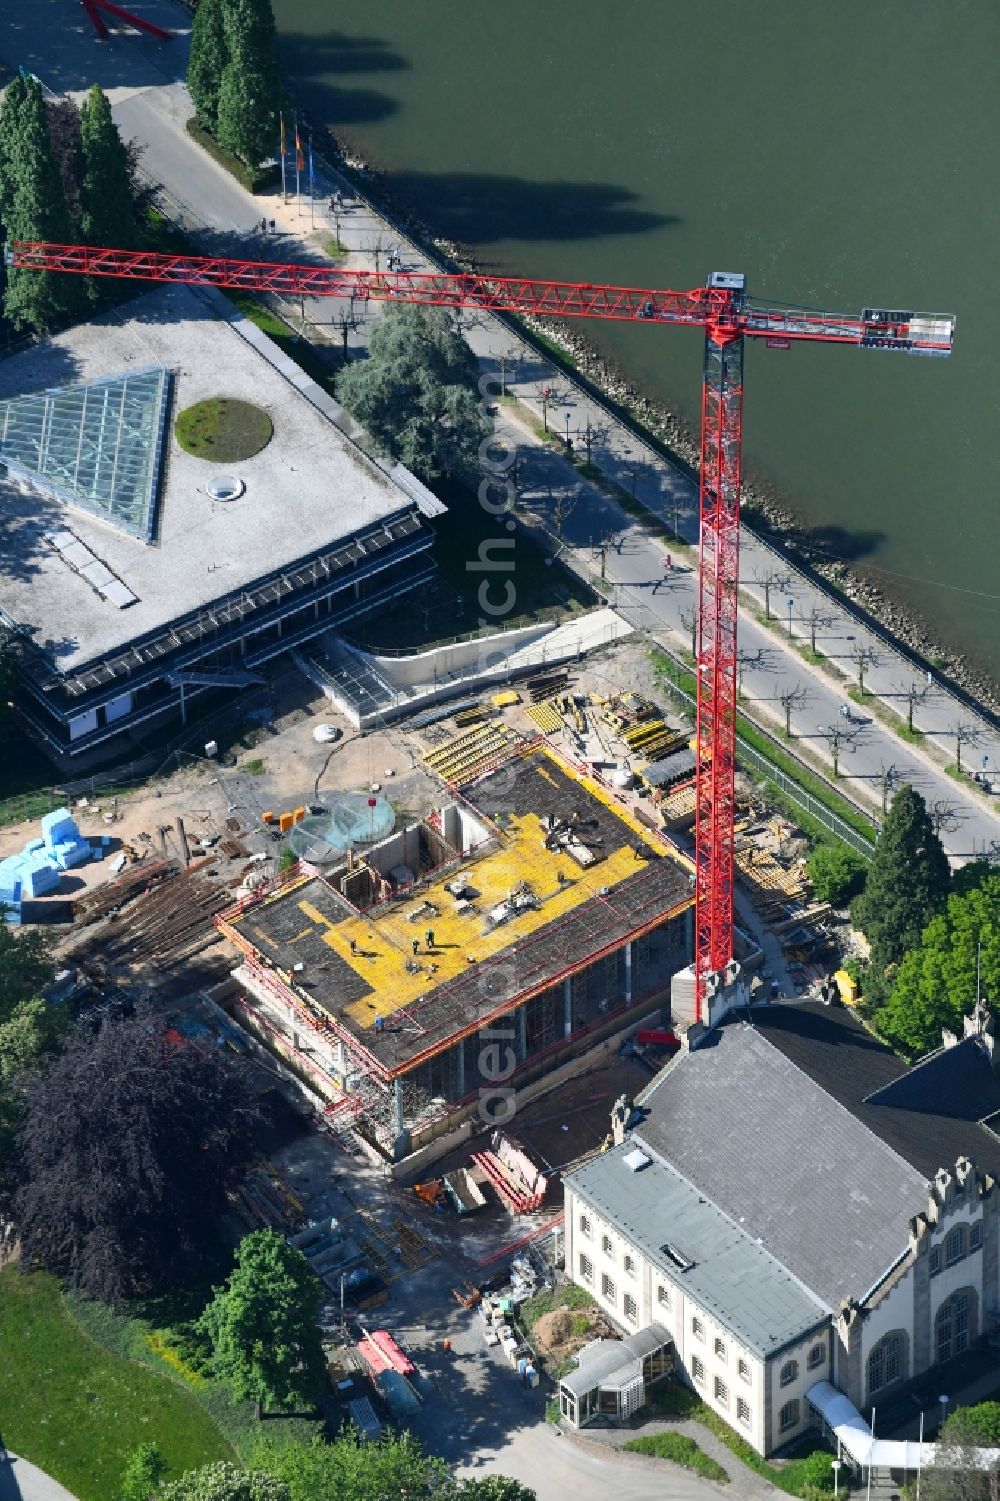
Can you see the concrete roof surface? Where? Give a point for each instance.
(791, 1165)
(733, 1278)
(306, 490)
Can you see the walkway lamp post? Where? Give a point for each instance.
(944, 1410)
(790, 603)
(835, 1467)
(569, 445)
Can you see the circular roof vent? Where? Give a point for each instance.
(225, 487)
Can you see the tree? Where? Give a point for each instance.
(955, 1474)
(28, 1027)
(414, 392)
(34, 208)
(837, 873)
(907, 882)
(64, 137)
(262, 1324)
(792, 696)
(107, 213)
(224, 1482)
(142, 1473)
(494, 1488)
(206, 60)
(351, 1470)
(937, 981)
(250, 86)
(124, 1152)
(14, 96)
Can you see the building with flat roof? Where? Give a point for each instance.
(801, 1210)
(443, 967)
(131, 579)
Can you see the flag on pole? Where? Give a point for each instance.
(298, 161)
(282, 148)
(312, 182)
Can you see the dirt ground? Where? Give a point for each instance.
(560, 1334)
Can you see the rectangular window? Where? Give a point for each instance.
(697, 1328)
(975, 1236)
(630, 1265)
(608, 1288)
(663, 1296)
(608, 1246)
(744, 1369)
(631, 1310)
(720, 1349)
(743, 1411)
(721, 1392)
(697, 1369)
(585, 1225)
(586, 1269)
(935, 1260)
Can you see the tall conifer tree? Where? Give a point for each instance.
(107, 214)
(250, 86)
(206, 61)
(36, 211)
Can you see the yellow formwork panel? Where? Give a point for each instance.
(384, 955)
(459, 935)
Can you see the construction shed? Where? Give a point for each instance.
(527, 916)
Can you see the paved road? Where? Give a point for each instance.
(151, 105)
(21, 1481)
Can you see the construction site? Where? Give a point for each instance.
(528, 914)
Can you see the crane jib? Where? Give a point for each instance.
(728, 316)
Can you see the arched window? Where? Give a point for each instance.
(789, 1372)
(789, 1415)
(954, 1246)
(887, 1361)
(817, 1355)
(955, 1325)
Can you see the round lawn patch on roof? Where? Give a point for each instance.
(222, 430)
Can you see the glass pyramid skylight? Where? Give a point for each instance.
(97, 446)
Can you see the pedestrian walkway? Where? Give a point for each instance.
(22, 1481)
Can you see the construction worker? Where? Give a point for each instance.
(429, 938)
(416, 947)
(354, 945)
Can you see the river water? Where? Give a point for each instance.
(841, 155)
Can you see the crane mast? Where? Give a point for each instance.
(727, 316)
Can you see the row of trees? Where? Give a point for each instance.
(346, 1470)
(234, 76)
(934, 937)
(65, 176)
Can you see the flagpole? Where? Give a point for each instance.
(312, 186)
(298, 168)
(281, 149)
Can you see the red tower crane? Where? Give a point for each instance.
(728, 316)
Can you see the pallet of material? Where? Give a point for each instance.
(544, 714)
(460, 757)
(511, 1192)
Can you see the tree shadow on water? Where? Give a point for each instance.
(483, 208)
(837, 544)
(313, 61)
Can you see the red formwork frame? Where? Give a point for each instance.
(94, 8)
(727, 316)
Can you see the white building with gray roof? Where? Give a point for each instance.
(780, 1239)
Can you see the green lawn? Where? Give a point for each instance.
(222, 430)
(74, 1409)
(682, 1451)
